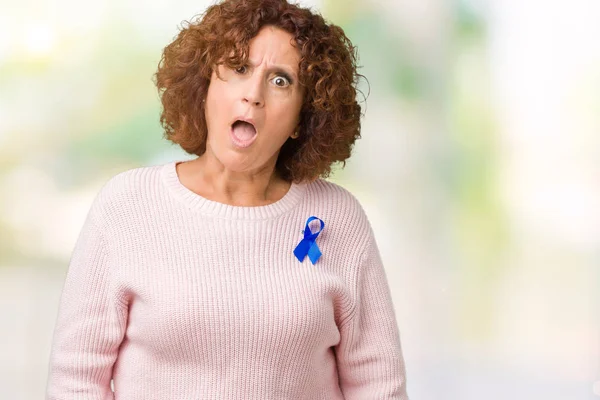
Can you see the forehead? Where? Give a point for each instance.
(274, 46)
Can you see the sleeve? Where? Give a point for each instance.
(90, 324)
(369, 355)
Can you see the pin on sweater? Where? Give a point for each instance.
(308, 245)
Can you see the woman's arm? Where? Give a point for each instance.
(369, 355)
(90, 325)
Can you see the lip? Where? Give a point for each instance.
(245, 119)
(239, 142)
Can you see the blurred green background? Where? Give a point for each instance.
(479, 169)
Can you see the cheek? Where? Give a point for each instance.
(216, 105)
(288, 112)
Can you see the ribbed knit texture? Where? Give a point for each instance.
(174, 296)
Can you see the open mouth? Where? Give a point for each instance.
(243, 133)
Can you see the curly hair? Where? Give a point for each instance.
(330, 114)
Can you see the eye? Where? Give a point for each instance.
(281, 81)
(241, 70)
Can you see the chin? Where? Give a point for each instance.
(231, 159)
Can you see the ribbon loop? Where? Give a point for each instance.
(308, 245)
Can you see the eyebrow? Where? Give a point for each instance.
(286, 71)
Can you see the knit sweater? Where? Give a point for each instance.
(173, 296)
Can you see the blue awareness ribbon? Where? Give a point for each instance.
(308, 245)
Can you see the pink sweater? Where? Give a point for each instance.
(174, 296)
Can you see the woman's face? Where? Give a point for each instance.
(266, 92)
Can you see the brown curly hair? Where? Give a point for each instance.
(330, 114)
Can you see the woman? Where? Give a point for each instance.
(240, 274)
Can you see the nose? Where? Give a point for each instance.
(254, 91)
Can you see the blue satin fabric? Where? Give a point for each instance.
(308, 245)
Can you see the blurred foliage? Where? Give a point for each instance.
(384, 48)
(469, 23)
(122, 125)
(478, 222)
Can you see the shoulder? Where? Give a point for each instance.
(326, 192)
(126, 188)
(131, 182)
(338, 207)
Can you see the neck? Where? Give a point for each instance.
(254, 188)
